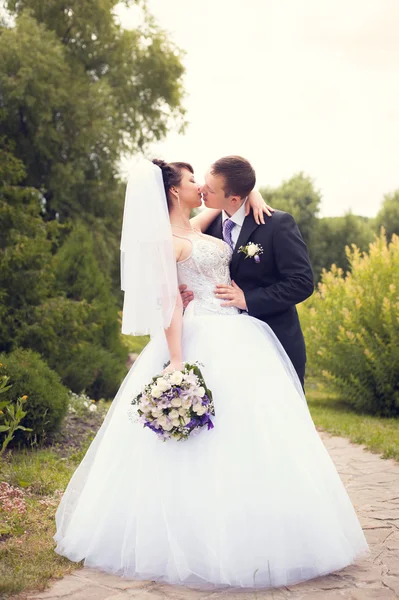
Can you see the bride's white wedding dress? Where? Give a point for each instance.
(254, 502)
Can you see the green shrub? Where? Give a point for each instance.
(47, 397)
(94, 370)
(351, 327)
(70, 335)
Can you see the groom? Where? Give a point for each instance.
(269, 285)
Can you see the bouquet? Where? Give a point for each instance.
(176, 404)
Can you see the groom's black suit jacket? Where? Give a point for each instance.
(281, 279)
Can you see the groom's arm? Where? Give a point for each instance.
(294, 270)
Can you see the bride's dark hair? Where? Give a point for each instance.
(172, 173)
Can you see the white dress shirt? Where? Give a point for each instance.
(238, 218)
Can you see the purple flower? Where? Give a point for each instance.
(153, 428)
(257, 258)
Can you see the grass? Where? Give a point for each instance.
(378, 434)
(27, 557)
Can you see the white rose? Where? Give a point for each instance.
(162, 384)
(200, 392)
(175, 422)
(176, 402)
(252, 249)
(199, 409)
(146, 407)
(186, 402)
(186, 420)
(168, 426)
(176, 378)
(174, 414)
(156, 412)
(182, 411)
(156, 392)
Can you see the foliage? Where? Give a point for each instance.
(48, 398)
(99, 349)
(10, 420)
(298, 197)
(10, 414)
(26, 247)
(333, 234)
(352, 328)
(388, 216)
(78, 91)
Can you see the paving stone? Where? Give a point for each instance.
(62, 587)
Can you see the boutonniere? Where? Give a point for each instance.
(251, 250)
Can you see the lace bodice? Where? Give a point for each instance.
(207, 265)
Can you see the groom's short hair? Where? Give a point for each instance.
(238, 174)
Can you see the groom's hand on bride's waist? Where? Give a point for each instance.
(186, 295)
(232, 295)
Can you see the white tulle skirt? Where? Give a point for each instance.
(255, 502)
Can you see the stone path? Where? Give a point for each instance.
(373, 485)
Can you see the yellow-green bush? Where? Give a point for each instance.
(351, 327)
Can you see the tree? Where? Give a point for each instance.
(77, 91)
(298, 197)
(26, 243)
(388, 216)
(331, 237)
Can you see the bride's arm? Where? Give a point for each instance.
(255, 201)
(174, 335)
(205, 218)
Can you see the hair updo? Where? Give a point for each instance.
(171, 173)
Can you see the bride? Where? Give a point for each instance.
(256, 502)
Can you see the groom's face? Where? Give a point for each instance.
(213, 191)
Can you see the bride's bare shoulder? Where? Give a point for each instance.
(182, 247)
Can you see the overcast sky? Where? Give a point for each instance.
(292, 85)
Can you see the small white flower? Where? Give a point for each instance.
(199, 409)
(191, 378)
(156, 392)
(92, 407)
(200, 392)
(175, 422)
(252, 249)
(156, 412)
(176, 378)
(174, 414)
(86, 404)
(176, 402)
(186, 402)
(162, 384)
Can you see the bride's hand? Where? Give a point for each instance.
(174, 365)
(258, 205)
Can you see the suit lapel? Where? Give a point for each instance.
(247, 229)
(215, 227)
